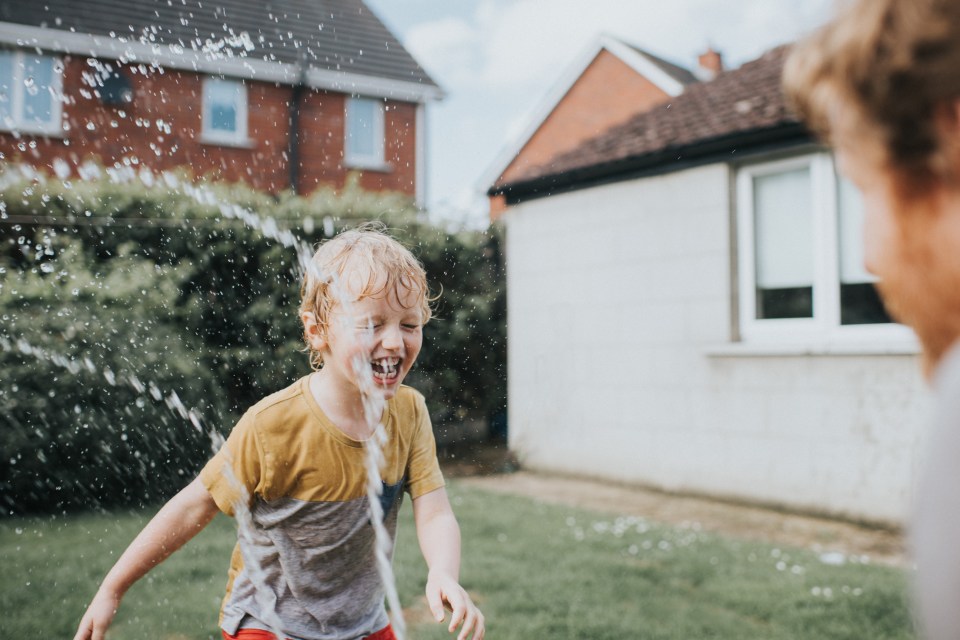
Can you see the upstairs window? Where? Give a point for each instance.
(30, 86)
(224, 111)
(364, 132)
(800, 258)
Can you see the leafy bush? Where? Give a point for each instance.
(139, 312)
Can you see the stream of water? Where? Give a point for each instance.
(373, 402)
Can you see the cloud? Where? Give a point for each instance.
(529, 42)
(448, 48)
(534, 41)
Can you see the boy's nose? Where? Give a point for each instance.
(391, 338)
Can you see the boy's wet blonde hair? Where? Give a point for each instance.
(374, 263)
(897, 64)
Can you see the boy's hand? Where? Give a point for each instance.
(98, 617)
(443, 591)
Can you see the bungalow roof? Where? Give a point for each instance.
(739, 109)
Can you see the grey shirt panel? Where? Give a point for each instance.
(311, 565)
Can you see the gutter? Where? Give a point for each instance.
(229, 64)
(667, 160)
(293, 152)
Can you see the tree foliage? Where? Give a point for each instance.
(142, 312)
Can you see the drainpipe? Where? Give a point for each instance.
(293, 152)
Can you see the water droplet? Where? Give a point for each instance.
(834, 558)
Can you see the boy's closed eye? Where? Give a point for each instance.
(376, 323)
(366, 323)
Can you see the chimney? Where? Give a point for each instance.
(711, 64)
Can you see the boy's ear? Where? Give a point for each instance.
(312, 330)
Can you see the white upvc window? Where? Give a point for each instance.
(800, 262)
(31, 86)
(364, 133)
(224, 112)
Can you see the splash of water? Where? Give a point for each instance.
(242, 513)
(373, 402)
(75, 366)
(374, 406)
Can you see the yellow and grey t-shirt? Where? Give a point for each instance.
(310, 558)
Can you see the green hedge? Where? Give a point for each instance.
(127, 303)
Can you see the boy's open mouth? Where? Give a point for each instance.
(385, 370)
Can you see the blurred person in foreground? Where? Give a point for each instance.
(881, 83)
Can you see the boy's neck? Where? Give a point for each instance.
(343, 407)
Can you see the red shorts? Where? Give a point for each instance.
(256, 634)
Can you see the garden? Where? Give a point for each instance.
(536, 570)
(140, 316)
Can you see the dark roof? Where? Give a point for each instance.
(739, 109)
(335, 35)
(675, 71)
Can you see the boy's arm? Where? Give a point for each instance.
(183, 517)
(439, 536)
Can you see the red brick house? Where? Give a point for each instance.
(608, 84)
(281, 95)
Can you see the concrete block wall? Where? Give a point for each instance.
(618, 297)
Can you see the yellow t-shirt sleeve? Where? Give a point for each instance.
(236, 472)
(423, 469)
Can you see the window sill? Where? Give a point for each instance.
(58, 133)
(776, 350)
(368, 165)
(241, 143)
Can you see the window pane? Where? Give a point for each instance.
(859, 301)
(37, 79)
(6, 88)
(361, 118)
(223, 117)
(784, 259)
(223, 105)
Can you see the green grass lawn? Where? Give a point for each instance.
(537, 571)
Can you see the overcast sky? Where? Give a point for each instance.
(498, 59)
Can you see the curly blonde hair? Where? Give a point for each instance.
(897, 63)
(367, 262)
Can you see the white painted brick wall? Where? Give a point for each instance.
(616, 295)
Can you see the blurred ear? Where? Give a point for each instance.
(313, 331)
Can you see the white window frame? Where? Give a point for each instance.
(824, 328)
(378, 131)
(54, 126)
(238, 138)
